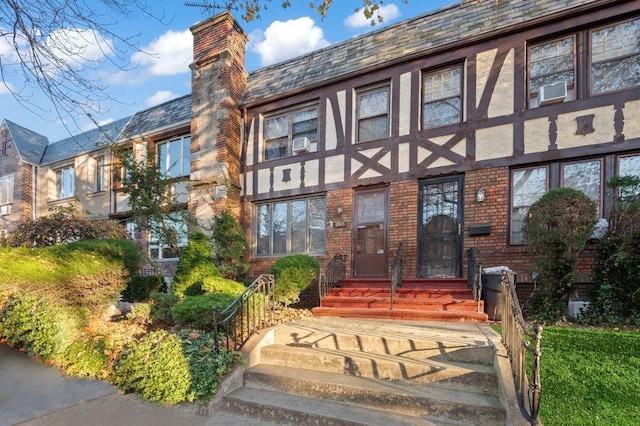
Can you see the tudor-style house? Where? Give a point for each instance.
(438, 132)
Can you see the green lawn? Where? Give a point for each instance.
(590, 377)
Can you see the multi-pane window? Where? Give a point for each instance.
(100, 175)
(174, 157)
(291, 226)
(585, 176)
(65, 182)
(280, 132)
(373, 114)
(442, 97)
(615, 57)
(166, 240)
(6, 193)
(629, 166)
(551, 63)
(527, 186)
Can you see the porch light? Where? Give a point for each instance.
(480, 195)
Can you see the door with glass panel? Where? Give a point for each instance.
(439, 233)
(370, 233)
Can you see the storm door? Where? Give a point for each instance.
(370, 233)
(440, 226)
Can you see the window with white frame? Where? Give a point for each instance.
(527, 186)
(174, 157)
(65, 182)
(372, 112)
(615, 57)
(291, 226)
(285, 133)
(551, 63)
(442, 97)
(99, 175)
(174, 227)
(6, 193)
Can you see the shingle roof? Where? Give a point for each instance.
(422, 34)
(161, 116)
(84, 142)
(30, 145)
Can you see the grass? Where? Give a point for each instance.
(590, 377)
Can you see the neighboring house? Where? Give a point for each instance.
(439, 131)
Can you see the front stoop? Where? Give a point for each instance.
(337, 371)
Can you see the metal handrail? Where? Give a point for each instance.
(332, 275)
(474, 276)
(520, 339)
(248, 313)
(396, 274)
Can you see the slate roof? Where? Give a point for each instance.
(428, 32)
(29, 144)
(84, 142)
(160, 116)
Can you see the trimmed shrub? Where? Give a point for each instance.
(195, 264)
(197, 311)
(230, 247)
(139, 287)
(222, 285)
(140, 314)
(86, 357)
(161, 304)
(292, 275)
(173, 368)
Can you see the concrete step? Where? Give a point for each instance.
(403, 314)
(403, 293)
(394, 397)
(423, 283)
(464, 377)
(433, 304)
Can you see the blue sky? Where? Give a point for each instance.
(163, 72)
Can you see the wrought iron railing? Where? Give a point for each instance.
(474, 276)
(332, 275)
(396, 274)
(248, 313)
(521, 339)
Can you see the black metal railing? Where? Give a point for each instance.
(396, 274)
(474, 276)
(332, 275)
(520, 339)
(248, 313)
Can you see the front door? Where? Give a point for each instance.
(440, 236)
(370, 233)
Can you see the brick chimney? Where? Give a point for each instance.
(218, 83)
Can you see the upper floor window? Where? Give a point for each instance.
(293, 132)
(373, 114)
(65, 182)
(6, 193)
(174, 157)
(291, 226)
(615, 57)
(442, 97)
(552, 71)
(99, 176)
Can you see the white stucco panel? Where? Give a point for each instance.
(422, 154)
(441, 162)
(331, 137)
(280, 174)
(369, 152)
(494, 142)
(250, 143)
(405, 104)
(355, 165)
(312, 173)
(484, 62)
(248, 184)
(536, 135)
(264, 176)
(603, 127)
(386, 160)
(334, 169)
(502, 99)
(404, 157)
(460, 148)
(631, 123)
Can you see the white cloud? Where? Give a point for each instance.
(5, 87)
(78, 46)
(169, 54)
(284, 40)
(7, 51)
(388, 12)
(159, 97)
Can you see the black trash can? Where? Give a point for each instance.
(492, 291)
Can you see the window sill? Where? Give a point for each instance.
(58, 201)
(96, 194)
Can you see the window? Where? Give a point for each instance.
(441, 97)
(174, 157)
(6, 194)
(291, 226)
(281, 130)
(174, 228)
(373, 114)
(615, 57)
(65, 182)
(99, 177)
(585, 176)
(629, 166)
(527, 186)
(551, 63)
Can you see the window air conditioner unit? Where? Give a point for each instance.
(553, 93)
(301, 145)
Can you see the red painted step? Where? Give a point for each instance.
(468, 305)
(402, 314)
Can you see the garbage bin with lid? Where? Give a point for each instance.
(492, 291)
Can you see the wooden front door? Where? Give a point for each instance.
(370, 233)
(440, 232)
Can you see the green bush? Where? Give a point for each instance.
(86, 357)
(197, 311)
(140, 314)
(139, 287)
(161, 304)
(230, 247)
(292, 275)
(172, 368)
(222, 285)
(195, 264)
